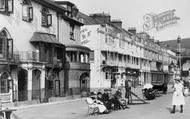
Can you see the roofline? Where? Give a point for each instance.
(52, 5)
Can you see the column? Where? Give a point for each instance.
(29, 84)
(42, 84)
(84, 55)
(78, 55)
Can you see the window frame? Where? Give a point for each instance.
(29, 11)
(71, 33)
(46, 18)
(7, 9)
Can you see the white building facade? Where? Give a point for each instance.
(119, 54)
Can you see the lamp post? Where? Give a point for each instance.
(179, 54)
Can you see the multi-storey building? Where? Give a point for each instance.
(119, 54)
(77, 66)
(35, 63)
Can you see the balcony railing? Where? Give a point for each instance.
(26, 56)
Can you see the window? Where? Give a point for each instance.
(46, 18)
(72, 27)
(6, 45)
(2, 43)
(27, 10)
(6, 6)
(4, 83)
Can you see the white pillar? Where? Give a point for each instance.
(42, 84)
(29, 84)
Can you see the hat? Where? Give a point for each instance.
(99, 93)
(92, 93)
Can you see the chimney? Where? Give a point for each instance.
(132, 30)
(117, 22)
(157, 42)
(101, 16)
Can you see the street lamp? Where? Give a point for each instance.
(179, 53)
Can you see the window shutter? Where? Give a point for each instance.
(49, 19)
(10, 6)
(2, 5)
(25, 12)
(30, 13)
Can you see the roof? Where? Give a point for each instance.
(77, 46)
(45, 38)
(88, 20)
(65, 2)
(51, 4)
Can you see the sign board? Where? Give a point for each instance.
(160, 21)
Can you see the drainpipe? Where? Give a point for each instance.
(58, 27)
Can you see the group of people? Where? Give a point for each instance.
(107, 101)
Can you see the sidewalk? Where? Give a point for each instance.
(137, 90)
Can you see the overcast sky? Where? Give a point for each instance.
(131, 12)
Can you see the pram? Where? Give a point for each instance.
(148, 92)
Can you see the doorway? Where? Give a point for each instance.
(22, 85)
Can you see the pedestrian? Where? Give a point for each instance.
(122, 102)
(178, 95)
(128, 90)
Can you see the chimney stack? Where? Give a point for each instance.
(105, 18)
(117, 22)
(132, 30)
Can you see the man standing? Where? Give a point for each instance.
(128, 90)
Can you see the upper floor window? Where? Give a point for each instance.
(6, 45)
(6, 6)
(46, 18)
(27, 10)
(72, 27)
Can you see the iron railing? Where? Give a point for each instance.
(27, 56)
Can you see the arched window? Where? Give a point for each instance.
(27, 10)
(4, 84)
(46, 18)
(6, 44)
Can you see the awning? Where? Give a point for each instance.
(45, 38)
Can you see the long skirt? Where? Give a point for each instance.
(178, 99)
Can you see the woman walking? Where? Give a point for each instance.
(178, 95)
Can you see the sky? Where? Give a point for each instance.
(131, 13)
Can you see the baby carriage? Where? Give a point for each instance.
(148, 92)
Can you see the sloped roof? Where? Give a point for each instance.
(88, 20)
(45, 38)
(51, 4)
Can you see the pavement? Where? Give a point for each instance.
(158, 108)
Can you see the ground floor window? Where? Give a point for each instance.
(4, 83)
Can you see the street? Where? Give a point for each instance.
(157, 109)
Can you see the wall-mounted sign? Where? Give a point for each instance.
(85, 34)
(160, 21)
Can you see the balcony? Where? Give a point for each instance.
(27, 56)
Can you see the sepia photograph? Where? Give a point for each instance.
(94, 59)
